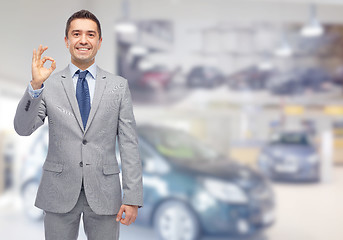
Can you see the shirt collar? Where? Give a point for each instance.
(91, 70)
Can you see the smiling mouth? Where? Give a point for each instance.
(83, 49)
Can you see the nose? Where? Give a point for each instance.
(83, 39)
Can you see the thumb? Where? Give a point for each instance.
(53, 66)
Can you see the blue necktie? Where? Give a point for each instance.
(83, 97)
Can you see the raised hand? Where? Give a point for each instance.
(39, 72)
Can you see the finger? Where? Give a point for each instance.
(128, 219)
(125, 221)
(132, 220)
(53, 63)
(34, 55)
(34, 58)
(44, 49)
(44, 59)
(41, 50)
(38, 51)
(120, 214)
(53, 66)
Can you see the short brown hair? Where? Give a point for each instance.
(83, 14)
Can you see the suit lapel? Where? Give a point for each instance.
(69, 89)
(100, 85)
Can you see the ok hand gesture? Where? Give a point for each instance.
(39, 72)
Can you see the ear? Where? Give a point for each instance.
(99, 44)
(66, 42)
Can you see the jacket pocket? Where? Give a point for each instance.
(53, 167)
(108, 169)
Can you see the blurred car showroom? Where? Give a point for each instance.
(239, 111)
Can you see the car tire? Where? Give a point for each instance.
(175, 220)
(28, 193)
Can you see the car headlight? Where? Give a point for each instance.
(313, 158)
(225, 191)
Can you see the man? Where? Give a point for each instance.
(87, 108)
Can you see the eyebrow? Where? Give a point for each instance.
(88, 31)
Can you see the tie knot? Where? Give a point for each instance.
(82, 75)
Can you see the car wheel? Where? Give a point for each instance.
(29, 191)
(175, 220)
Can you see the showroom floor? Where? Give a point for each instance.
(304, 212)
(309, 211)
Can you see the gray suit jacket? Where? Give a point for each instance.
(75, 153)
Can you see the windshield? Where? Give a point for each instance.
(178, 145)
(290, 139)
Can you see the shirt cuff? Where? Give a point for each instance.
(35, 93)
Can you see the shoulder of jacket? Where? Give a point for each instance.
(112, 76)
(58, 74)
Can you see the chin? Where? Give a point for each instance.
(84, 61)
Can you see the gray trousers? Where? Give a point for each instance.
(65, 226)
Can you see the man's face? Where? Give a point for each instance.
(83, 42)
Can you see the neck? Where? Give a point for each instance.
(82, 66)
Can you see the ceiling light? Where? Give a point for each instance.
(138, 50)
(284, 50)
(126, 27)
(313, 28)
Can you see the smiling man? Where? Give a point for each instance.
(88, 110)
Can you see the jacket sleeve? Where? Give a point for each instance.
(129, 152)
(30, 114)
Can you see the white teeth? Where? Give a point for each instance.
(83, 48)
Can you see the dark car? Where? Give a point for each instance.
(186, 181)
(251, 78)
(286, 83)
(290, 156)
(299, 80)
(205, 76)
(190, 190)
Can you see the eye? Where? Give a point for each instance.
(76, 34)
(91, 35)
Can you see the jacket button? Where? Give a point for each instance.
(81, 164)
(84, 141)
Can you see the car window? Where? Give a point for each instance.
(177, 145)
(291, 138)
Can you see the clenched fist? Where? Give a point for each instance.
(39, 72)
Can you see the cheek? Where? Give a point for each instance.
(71, 43)
(96, 44)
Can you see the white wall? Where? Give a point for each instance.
(26, 24)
